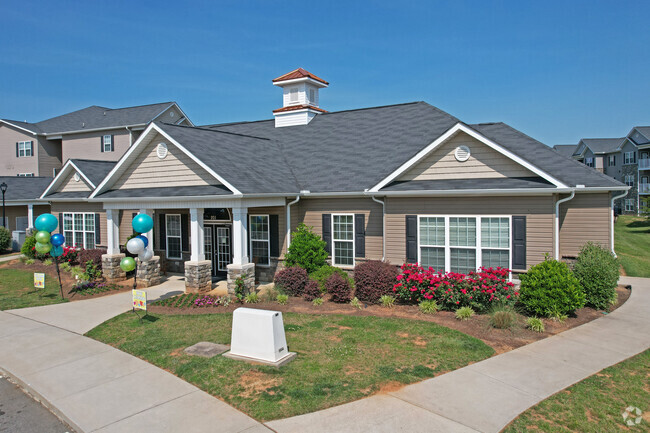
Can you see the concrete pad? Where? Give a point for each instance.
(11, 324)
(279, 363)
(196, 412)
(613, 337)
(126, 396)
(377, 414)
(206, 349)
(461, 396)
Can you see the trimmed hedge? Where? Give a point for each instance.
(292, 280)
(374, 279)
(5, 239)
(339, 288)
(322, 274)
(94, 255)
(597, 271)
(312, 290)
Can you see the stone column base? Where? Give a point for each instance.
(247, 271)
(111, 267)
(149, 272)
(198, 276)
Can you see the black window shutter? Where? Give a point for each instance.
(101, 143)
(519, 242)
(31, 147)
(411, 238)
(133, 215)
(98, 233)
(61, 225)
(163, 232)
(112, 143)
(17, 152)
(185, 237)
(359, 235)
(275, 235)
(327, 232)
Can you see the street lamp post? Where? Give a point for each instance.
(3, 188)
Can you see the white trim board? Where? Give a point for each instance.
(19, 127)
(459, 127)
(56, 182)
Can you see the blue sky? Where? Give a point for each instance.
(558, 71)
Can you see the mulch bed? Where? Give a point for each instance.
(501, 340)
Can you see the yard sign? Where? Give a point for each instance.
(139, 300)
(39, 280)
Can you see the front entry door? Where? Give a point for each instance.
(217, 247)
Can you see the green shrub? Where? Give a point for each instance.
(322, 274)
(30, 261)
(373, 279)
(549, 289)
(5, 239)
(318, 301)
(48, 262)
(535, 324)
(502, 317)
(282, 299)
(251, 298)
(428, 307)
(307, 250)
(65, 266)
(464, 313)
(387, 301)
(356, 303)
(29, 251)
(597, 271)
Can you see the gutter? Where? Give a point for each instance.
(383, 226)
(289, 220)
(557, 223)
(611, 235)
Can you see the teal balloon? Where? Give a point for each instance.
(127, 264)
(43, 248)
(142, 223)
(56, 251)
(46, 222)
(42, 237)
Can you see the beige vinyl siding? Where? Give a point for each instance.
(126, 224)
(538, 212)
(176, 169)
(49, 156)
(59, 208)
(587, 217)
(484, 162)
(310, 212)
(88, 145)
(10, 165)
(280, 211)
(71, 185)
(12, 212)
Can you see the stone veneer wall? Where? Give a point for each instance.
(247, 270)
(111, 267)
(198, 276)
(149, 272)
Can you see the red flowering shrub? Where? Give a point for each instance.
(479, 290)
(312, 290)
(339, 288)
(374, 279)
(292, 280)
(94, 255)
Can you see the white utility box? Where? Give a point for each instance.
(258, 336)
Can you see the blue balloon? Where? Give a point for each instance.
(144, 239)
(46, 222)
(57, 240)
(56, 250)
(142, 223)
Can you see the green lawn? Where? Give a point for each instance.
(632, 245)
(340, 358)
(17, 290)
(596, 404)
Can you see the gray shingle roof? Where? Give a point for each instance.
(565, 149)
(603, 145)
(24, 188)
(93, 169)
(460, 184)
(68, 195)
(645, 130)
(25, 125)
(184, 191)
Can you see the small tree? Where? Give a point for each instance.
(5, 239)
(597, 271)
(307, 249)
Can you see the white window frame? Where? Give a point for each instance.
(629, 158)
(629, 205)
(179, 237)
(24, 147)
(478, 248)
(611, 160)
(629, 179)
(83, 231)
(354, 247)
(268, 240)
(294, 91)
(25, 174)
(589, 162)
(108, 142)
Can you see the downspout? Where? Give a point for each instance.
(557, 223)
(130, 136)
(383, 226)
(289, 220)
(611, 235)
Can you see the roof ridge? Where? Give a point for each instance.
(216, 125)
(143, 105)
(216, 130)
(91, 160)
(378, 107)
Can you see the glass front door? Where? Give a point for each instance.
(217, 247)
(223, 248)
(208, 246)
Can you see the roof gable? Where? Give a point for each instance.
(74, 182)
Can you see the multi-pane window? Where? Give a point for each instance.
(107, 142)
(260, 239)
(79, 230)
(463, 244)
(629, 179)
(611, 160)
(629, 157)
(173, 233)
(589, 162)
(24, 148)
(343, 239)
(25, 174)
(629, 205)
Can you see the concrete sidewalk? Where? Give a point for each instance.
(486, 396)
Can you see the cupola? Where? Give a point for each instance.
(299, 98)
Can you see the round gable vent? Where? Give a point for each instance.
(462, 153)
(161, 150)
(76, 177)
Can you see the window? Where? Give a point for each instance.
(174, 242)
(463, 244)
(24, 149)
(22, 223)
(260, 240)
(629, 205)
(343, 239)
(611, 160)
(629, 179)
(79, 230)
(629, 157)
(108, 143)
(293, 95)
(589, 162)
(25, 174)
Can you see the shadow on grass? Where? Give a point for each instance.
(635, 224)
(150, 318)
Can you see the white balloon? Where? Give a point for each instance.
(145, 256)
(135, 246)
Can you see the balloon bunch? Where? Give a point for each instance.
(46, 242)
(142, 223)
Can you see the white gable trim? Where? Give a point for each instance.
(174, 104)
(65, 171)
(111, 177)
(459, 127)
(19, 127)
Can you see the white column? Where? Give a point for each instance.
(30, 216)
(197, 246)
(239, 236)
(149, 234)
(112, 231)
